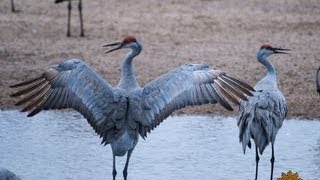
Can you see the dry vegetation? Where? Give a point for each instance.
(224, 34)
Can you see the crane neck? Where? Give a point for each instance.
(271, 71)
(128, 78)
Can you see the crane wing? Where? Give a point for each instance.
(71, 84)
(191, 84)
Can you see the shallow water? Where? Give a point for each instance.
(61, 145)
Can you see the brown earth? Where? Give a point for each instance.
(222, 33)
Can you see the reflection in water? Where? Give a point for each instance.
(61, 145)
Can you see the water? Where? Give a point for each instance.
(57, 145)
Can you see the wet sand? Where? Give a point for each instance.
(223, 34)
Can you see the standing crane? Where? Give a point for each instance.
(119, 114)
(318, 80)
(69, 16)
(262, 115)
(5, 174)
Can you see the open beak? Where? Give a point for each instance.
(119, 44)
(280, 50)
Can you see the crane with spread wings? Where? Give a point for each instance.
(120, 114)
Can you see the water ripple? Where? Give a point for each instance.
(61, 145)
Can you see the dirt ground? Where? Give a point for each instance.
(222, 33)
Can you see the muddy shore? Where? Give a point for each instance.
(223, 34)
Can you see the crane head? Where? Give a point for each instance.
(128, 42)
(267, 49)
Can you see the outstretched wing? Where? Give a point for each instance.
(71, 84)
(191, 84)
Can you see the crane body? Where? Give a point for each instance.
(5, 174)
(261, 117)
(120, 114)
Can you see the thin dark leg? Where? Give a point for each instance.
(12, 6)
(114, 171)
(257, 162)
(272, 161)
(81, 20)
(69, 18)
(125, 170)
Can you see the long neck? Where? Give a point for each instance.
(271, 71)
(128, 78)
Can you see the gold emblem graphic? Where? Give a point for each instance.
(289, 176)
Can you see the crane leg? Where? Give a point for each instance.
(114, 171)
(69, 18)
(272, 161)
(12, 6)
(81, 19)
(125, 170)
(257, 162)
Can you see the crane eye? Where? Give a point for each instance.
(269, 48)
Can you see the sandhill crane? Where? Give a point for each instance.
(119, 114)
(69, 16)
(5, 174)
(262, 115)
(318, 80)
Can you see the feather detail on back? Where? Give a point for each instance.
(260, 118)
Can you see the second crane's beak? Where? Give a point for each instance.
(119, 44)
(280, 51)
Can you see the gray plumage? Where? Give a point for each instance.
(318, 80)
(69, 16)
(5, 174)
(262, 115)
(119, 114)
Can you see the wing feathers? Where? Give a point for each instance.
(241, 83)
(28, 88)
(227, 94)
(36, 101)
(31, 95)
(193, 84)
(71, 84)
(233, 89)
(26, 82)
(237, 85)
(219, 97)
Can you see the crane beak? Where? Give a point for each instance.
(280, 50)
(119, 44)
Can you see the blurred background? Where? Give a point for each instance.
(223, 34)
